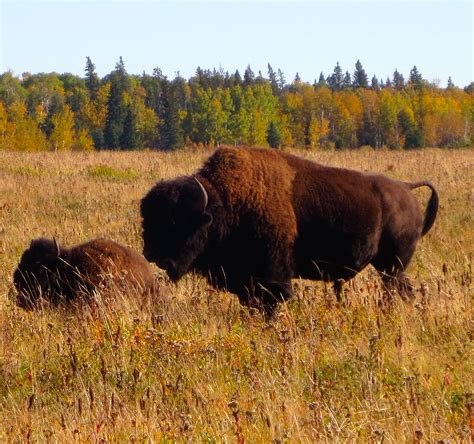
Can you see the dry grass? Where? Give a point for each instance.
(194, 365)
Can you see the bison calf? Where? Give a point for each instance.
(58, 274)
(252, 219)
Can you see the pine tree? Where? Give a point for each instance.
(274, 135)
(171, 134)
(237, 78)
(322, 80)
(375, 83)
(335, 81)
(273, 81)
(129, 138)
(360, 76)
(117, 108)
(415, 79)
(450, 83)
(281, 80)
(398, 80)
(92, 79)
(347, 83)
(249, 76)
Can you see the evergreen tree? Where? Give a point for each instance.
(335, 81)
(274, 138)
(249, 76)
(398, 80)
(415, 79)
(360, 76)
(388, 83)
(281, 80)
(273, 81)
(171, 133)
(375, 83)
(117, 108)
(129, 138)
(92, 79)
(259, 80)
(237, 78)
(450, 83)
(322, 80)
(347, 83)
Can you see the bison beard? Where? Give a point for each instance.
(252, 219)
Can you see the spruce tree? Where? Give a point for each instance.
(117, 108)
(335, 81)
(415, 79)
(249, 76)
(450, 83)
(347, 83)
(129, 138)
(375, 84)
(281, 80)
(360, 76)
(322, 80)
(91, 79)
(273, 80)
(398, 80)
(274, 138)
(237, 78)
(171, 133)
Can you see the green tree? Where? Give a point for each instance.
(249, 76)
(117, 106)
(360, 79)
(398, 81)
(274, 137)
(91, 79)
(171, 132)
(415, 79)
(335, 80)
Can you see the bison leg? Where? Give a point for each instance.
(339, 289)
(393, 276)
(264, 295)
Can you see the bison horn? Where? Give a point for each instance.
(56, 245)
(203, 191)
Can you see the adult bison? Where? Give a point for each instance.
(252, 219)
(58, 274)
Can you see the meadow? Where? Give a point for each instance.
(193, 365)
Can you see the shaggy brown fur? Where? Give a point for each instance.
(59, 274)
(272, 216)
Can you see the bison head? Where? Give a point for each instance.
(35, 275)
(175, 224)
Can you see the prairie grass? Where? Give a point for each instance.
(193, 365)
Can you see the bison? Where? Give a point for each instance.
(251, 219)
(58, 274)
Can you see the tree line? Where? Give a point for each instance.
(122, 111)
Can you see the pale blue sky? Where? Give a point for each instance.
(306, 36)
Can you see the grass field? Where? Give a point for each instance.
(193, 365)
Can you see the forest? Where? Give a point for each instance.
(121, 111)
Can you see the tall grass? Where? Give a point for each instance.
(194, 365)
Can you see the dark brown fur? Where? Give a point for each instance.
(272, 216)
(78, 271)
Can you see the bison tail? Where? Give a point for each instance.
(432, 208)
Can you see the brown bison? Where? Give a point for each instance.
(57, 274)
(252, 219)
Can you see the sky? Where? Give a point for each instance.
(295, 36)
